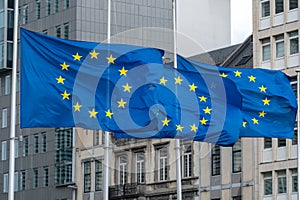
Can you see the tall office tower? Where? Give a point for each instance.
(276, 46)
(55, 163)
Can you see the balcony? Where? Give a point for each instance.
(129, 190)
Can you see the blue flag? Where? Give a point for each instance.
(269, 104)
(127, 90)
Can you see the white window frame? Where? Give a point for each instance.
(4, 117)
(290, 6)
(187, 161)
(281, 177)
(5, 183)
(163, 164)
(267, 178)
(264, 45)
(295, 36)
(279, 40)
(122, 170)
(282, 7)
(4, 150)
(7, 85)
(140, 167)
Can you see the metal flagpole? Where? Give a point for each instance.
(106, 144)
(178, 163)
(298, 129)
(13, 106)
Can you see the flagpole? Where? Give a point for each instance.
(106, 144)
(298, 129)
(11, 173)
(177, 141)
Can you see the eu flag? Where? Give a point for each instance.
(269, 104)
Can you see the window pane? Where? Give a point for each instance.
(216, 160)
(266, 53)
(25, 146)
(281, 142)
(55, 6)
(265, 9)
(38, 9)
(4, 149)
(267, 143)
(48, 7)
(281, 182)
(7, 84)
(58, 31)
(294, 180)
(5, 182)
(4, 117)
(268, 183)
(278, 6)
(293, 4)
(294, 46)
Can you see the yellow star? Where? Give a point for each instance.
(266, 101)
(178, 80)
(111, 59)
(121, 103)
(262, 88)
(255, 121)
(77, 107)
(207, 110)
(237, 73)
(93, 113)
(108, 113)
(202, 98)
(251, 78)
(194, 128)
(179, 128)
(65, 95)
(193, 87)
(165, 122)
(223, 75)
(262, 114)
(163, 81)
(244, 124)
(127, 87)
(60, 80)
(77, 56)
(123, 71)
(64, 66)
(94, 54)
(203, 121)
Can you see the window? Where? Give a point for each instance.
(87, 177)
(16, 179)
(46, 177)
(23, 180)
(66, 31)
(48, 7)
(237, 157)
(98, 175)
(5, 183)
(36, 143)
(35, 180)
(16, 148)
(44, 142)
(293, 4)
(267, 183)
(281, 181)
(140, 167)
(55, 6)
(294, 180)
(187, 161)
(25, 145)
(4, 149)
(216, 160)
(163, 164)
(25, 14)
(66, 4)
(122, 170)
(265, 8)
(45, 31)
(4, 117)
(295, 138)
(267, 143)
(281, 142)
(279, 7)
(38, 9)
(293, 39)
(7, 84)
(96, 138)
(279, 40)
(266, 49)
(58, 31)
